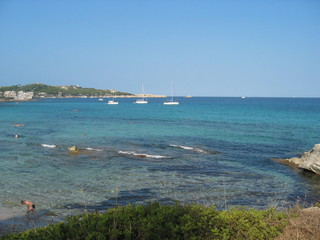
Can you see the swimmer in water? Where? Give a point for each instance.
(30, 207)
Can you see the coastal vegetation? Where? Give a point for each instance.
(43, 90)
(156, 221)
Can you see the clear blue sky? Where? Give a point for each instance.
(206, 48)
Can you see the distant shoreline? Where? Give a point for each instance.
(116, 96)
(3, 100)
(111, 96)
(16, 100)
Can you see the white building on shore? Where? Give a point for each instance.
(10, 94)
(21, 95)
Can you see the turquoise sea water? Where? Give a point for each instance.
(205, 150)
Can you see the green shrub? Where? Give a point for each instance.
(159, 222)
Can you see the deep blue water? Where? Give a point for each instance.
(205, 150)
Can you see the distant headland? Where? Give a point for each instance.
(39, 90)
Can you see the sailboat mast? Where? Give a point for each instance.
(142, 89)
(171, 91)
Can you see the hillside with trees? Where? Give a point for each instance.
(43, 90)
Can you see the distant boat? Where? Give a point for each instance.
(171, 102)
(112, 102)
(142, 100)
(243, 97)
(100, 99)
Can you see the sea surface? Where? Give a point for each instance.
(205, 150)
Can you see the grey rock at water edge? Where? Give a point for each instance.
(310, 160)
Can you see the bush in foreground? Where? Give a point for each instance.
(155, 221)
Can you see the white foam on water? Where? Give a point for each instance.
(200, 150)
(189, 148)
(142, 155)
(180, 146)
(94, 149)
(49, 145)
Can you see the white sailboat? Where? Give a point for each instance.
(171, 102)
(142, 100)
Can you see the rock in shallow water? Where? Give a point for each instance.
(73, 149)
(310, 160)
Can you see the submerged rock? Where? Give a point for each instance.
(310, 160)
(73, 149)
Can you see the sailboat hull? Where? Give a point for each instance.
(141, 101)
(171, 103)
(112, 102)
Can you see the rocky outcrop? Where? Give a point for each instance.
(73, 149)
(309, 160)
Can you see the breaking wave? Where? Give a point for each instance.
(191, 149)
(142, 155)
(94, 149)
(49, 145)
